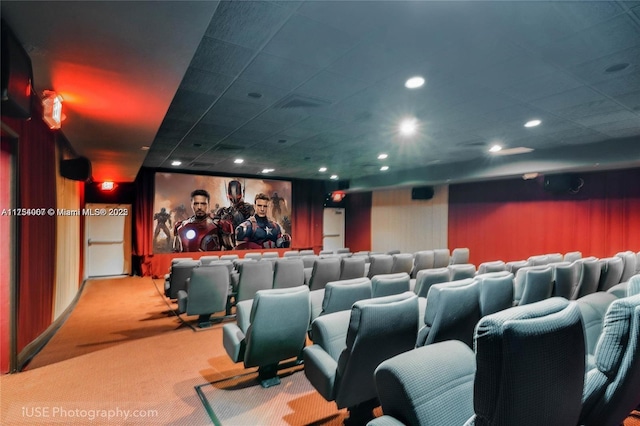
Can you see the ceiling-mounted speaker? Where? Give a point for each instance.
(563, 183)
(16, 77)
(76, 169)
(422, 193)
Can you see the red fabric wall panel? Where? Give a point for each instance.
(358, 221)
(514, 219)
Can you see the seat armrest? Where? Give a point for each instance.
(182, 301)
(233, 342)
(320, 369)
(330, 332)
(423, 333)
(243, 314)
(315, 298)
(385, 421)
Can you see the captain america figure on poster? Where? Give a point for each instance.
(199, 232)
(259, 232)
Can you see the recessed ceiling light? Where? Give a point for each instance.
(532, 123)
(495, 148)
(334, 177)
(322, 169)
(238, 161)
(384, 168)
(268, 170)
(282, 141)
(408, 126)
(414, 82)
(617, 67)
(176, 163)
(145, 148)
(382, 156)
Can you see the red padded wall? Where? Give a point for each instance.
(514, 219)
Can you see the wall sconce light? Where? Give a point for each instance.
(52, 105)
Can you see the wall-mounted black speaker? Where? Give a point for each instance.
(562, 183)
(16, 76)
(76, 169)
(422, 193)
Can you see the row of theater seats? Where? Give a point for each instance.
(546, 343)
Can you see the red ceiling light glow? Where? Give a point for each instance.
(52, 104)
(107, 186)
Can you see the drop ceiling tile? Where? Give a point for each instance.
(333, 87)
(542, 87)
(189, 106)
(223, 58)
(248, 24)
(612, 117)
(309, 42)
(604, 39)
(207, 83)
(595, 71)
(629, 100)
(620, 85)
(278, 72)
(573, 97)
(588, 109)
(241, 88)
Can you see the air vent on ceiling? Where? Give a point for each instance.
(225, 147)
(199, 165)
(299, 101)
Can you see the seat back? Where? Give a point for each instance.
(533, 284)
(288, 272)
(572, 256)
(402, 262)
(610, 273)
(441, 258)
(611, 388)
(380, 264)
(589, 276)
(324, 270)
(208, 290)
(461, 271)
(422, 260)
(179, 273)
(459, 256)
(493, 266)
(278, 330)
(370, 341)
(428, 277)
(341, 295)
(254, 276)
(252, 255)
(516, 265)
(565, 280)
(205, 260)
(309, 259)
(629, 260)
(307, 252)
(291, 253)
(270, 255)
(538, 260)
(388, 284)
(496, 292)
(452, 312)
(593, 308)
(352, 267)
(634, 285)
(554, 257)
(230, 257)
(530, 356)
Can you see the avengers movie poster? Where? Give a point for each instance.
(183, 224)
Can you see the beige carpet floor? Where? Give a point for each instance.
(119, 359)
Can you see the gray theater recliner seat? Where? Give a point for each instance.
(349, 345)
(452, 312)
(461, 271)
(254, 276)
(338, 296)
(422, 260)
(532, 284)
(459, 256)
(270, 328)
(177, 280)
(288, 272)
(324, 270)
(528, 369)
(380, 264)
(428, 277)
(611, 389)
(496, 292)
(206, 293)
(388, 284)
(610, 273)
(402, 262)
(352, 267)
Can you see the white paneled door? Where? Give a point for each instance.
(108, 242)
(333, 228)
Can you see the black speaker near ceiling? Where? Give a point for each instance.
(422, 193)
(563, 183)
(17, 76)
(76, 169)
